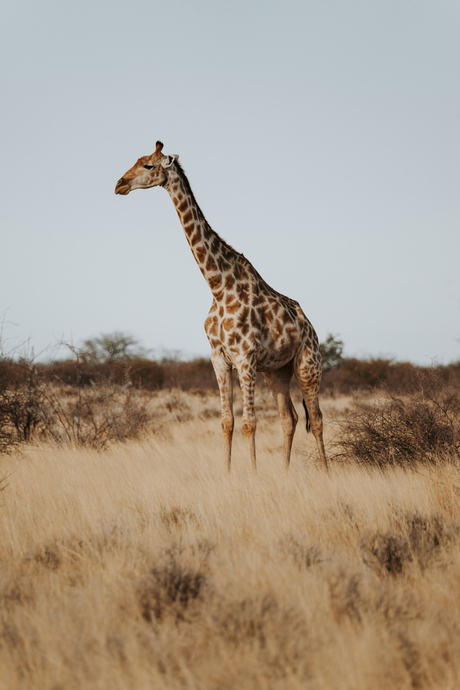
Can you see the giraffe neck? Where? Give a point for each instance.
(213, 256)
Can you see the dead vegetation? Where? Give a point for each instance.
(146, 565)
(418, 424)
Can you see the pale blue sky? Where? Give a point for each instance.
(321, 138)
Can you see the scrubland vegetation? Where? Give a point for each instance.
(131, 559)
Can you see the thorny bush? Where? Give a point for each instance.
(420, 424)
(93, 414)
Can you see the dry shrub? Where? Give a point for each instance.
(8, 438)
(303, 555)
(346, 597)
(178, 517)
(93, 413)
(143, 373)
(420, 424)
(171, 586)
(177, 406)
(95, 416)
(414, 539)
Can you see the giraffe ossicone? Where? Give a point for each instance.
(250, 326)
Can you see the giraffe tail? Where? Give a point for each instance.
(306, 413)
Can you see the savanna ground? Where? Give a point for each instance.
(145, 565)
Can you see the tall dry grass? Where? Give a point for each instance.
(147, 566)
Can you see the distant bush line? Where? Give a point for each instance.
(349, 376)
(365, 374)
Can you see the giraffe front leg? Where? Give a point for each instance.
(247, 376)
(225, 381)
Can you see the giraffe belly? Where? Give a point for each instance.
(276, 350)
(274, 359)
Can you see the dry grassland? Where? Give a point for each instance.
(147, 566)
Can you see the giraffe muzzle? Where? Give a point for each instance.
(122, 187)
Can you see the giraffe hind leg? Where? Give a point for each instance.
(279, 381)
(307, 418)
(307, 371)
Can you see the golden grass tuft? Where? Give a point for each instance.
(147, 566)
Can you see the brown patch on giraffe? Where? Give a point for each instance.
(240, 273)
(290, 333)
(229, 281)
(254, 319)
(223, 264)
(210, 320)
(287, 318)
(243, 294)
(243, 317)
(277, 328)
(268, 315)
(212, 266)
(200, 253)
(214, 282)
(195, 239)
(227, 324)
(180, 196)
(188, 229)
(195, 214)
(233, 308)
(207, 232)
(234, 339)
(215, 246)
(187, 218)
(244, 329)
(183, 207)
(221, 311)
(245, 346)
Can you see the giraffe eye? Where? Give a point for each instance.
(148, 167)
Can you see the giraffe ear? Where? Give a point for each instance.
(168, 161)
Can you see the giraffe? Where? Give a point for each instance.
(250, 326)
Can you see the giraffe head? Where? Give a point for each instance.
(149, 171)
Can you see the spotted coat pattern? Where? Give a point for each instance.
(250, 326)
